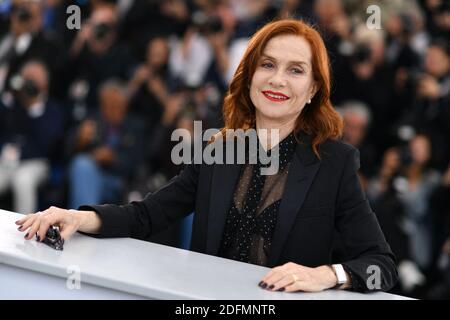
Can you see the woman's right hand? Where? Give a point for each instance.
(68, 221)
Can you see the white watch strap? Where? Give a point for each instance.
(340, 273)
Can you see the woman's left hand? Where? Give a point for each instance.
(292, 277)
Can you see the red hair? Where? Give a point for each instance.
(318, 119)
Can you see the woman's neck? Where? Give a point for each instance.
(264, 128)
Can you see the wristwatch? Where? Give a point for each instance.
(340, 274)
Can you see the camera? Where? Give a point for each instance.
(30, 89)
(405, 155)
(101, 30)
(24, 86)
(407, 25)
(205, 24)
(21, 13)
(188, 110)
(413, 78)
(443, 8)
(361, 53)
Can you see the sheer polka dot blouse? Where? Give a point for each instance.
(252, 217)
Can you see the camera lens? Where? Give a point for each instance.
(214, 25)
(361, 53)
(206, 24)
(30, 89)
(102, 30)
(22, 14)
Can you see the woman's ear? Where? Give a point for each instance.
(315, 88)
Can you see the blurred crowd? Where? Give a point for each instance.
(86, 114)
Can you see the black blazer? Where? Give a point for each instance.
(321, 196)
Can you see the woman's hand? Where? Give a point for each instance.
(292, 277)
(68, 221)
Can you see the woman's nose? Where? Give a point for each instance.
(277, 81)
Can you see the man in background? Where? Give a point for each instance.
(31, 125)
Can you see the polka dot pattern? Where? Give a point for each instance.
(252, 218)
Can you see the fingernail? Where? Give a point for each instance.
(38, 238)
(271, 287)
(260, 283)
(263, 285)
(19, 228)
(281, 289)
(26, 235)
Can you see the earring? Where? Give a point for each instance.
(309, 101)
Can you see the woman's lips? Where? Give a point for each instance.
(276, 97)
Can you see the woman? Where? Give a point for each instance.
(286, 220)
(415, 186)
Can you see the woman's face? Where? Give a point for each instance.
(283, 80)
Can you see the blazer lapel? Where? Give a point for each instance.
(224, 180)
(302, 171)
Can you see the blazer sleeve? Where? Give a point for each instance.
(371, 264)
(154, 213)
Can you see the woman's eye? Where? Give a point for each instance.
(267, 65)
(297, 71)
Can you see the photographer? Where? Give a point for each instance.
(96, 55)
(179, 111)
(202, 55)
(440, 204)
(437, 13)
(428, 90)
(26, 40)
(357, 120)
(414, 186)
(149, 86)
(144, 20)
(401, 196)
(30, 128)
(367, 78)
(105, 149)
(384, 197)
